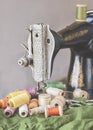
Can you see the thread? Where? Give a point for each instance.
(23, 110)
(33, 103)
(58, 101)
(58, 85)
(40, 109)
(53, 111)
(9, 111)
(54, 91)
(3, 103)
(81, 12)
(44, 99)
(80, 93)
(15, 93)
(31, 91)
(19, 100)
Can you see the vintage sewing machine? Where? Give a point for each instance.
(44, 44)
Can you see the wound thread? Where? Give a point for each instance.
(9, 111)
(58, 101)
(3, 103)
(44, 99)
(19, 100)
(40, 109)
(53, 111)
(80, 93)
(33, 103)
(54, 91)
(23, 110)
(15, 93)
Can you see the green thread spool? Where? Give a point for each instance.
(58, 85)
(81, 13)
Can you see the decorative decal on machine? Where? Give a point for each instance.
(75, 35)
(77, 76)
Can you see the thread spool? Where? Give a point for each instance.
(58, 101)
(9, 111)
(58, 85)
(54, 91)
(44, 99)
(53, 111)
(23, 110)
(33, 103)
(16, 93)
(80, 93)
(81, 13)
(31, 91)
(3, 103)
(38, 110)
(19, 100)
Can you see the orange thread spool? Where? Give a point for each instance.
(3, 103)
(33, 103)
(53, 111)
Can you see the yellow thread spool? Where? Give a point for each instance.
(13, 94)
(19, 100)
(81, 13)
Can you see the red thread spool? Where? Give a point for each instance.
(53, 111)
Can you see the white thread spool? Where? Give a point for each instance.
(80, 93)
(58, 101)
(40, 109)
(54, 91)
(44, 99)
(23, 110)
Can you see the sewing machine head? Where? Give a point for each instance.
(41, 46)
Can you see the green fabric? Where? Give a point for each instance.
(74, 119)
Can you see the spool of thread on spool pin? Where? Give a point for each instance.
(33, 103)
(53, 111)
(3, 103)
(58, 101)
(23, 110)
(19, 100)
(54, 91)
(44, 99)
(9, 111)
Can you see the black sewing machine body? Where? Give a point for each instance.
(78, 37)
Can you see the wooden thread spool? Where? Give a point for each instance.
(19, 100)
(54, 91)
(44, 99)
(3, 103)
(58, 101)
(38, 110)
(80, 93)
(33, 103)
(53, 111)
(16, 93)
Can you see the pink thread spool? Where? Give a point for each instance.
(9, 111)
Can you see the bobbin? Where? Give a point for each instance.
(59, 109)
(80, 93)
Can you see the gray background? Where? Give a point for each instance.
(15, 18)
